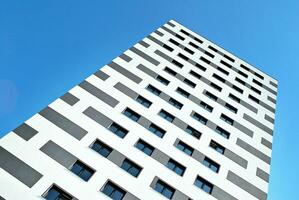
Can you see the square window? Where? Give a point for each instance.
(185, 148)
(166, 115)
(131, 114)
(175, 103)
(131, 167)
(162, 80)
(222, 132)
(143, 101)
(55, 193)
(113, 191)
(227, 119)
(193, 132)
(157, 130)
(176, 167)
(211, 164)
(153, 90)
(118, 130)
(200, 118)
(204, 185)
(182, 92)
(144, 147)
(190, 83)
(217, 147)
(82, 170)
(164, 189)
(101, 148)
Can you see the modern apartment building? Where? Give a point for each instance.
(174, 117)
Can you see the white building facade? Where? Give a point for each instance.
(174, 117)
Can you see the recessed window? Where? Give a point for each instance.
(190, 83)
(176, 167)
(156, 130)
(205, 60)
(217, 147)
(206, 106)
(257, 82)
(170, 71)
(211, 96)
(244, 67)
(113, 191)
(131, 167)
(253, 98)
(185, 148)
(226, 64)
(209, 54)
(174, 42)
(240, 81)
(144, 147)
(217, 87)
(200, 118)
(204, 185)
(233, 97)
(162, 80)
(193, 45)
(222, 70)
(231, 108)
(200, 67)
(185, 32)
(131, 114)
(175, 103)
(179, 36)
(183, 56)
(143, 101)
(258, 75)
(228, 58)
(101, 148)
(178, 64)
(118, 130)
(167, 47)
(166, 115)
(193, 132)
(214, 49)
(196, 75)
(242, 74)
(189, 50)
(222, 132)
(238, 89)
(164, 189)
(219, 78)
(182, 92)
(153, 90)
(55, 193)
(197, 40)
(82, 170)
(211, 164)
(255, 90)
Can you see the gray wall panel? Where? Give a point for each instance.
(236, 158)
(98, 117)
(69, 99)
(127, 91)
(221, 194)
(269, 119)
(145, 56)
(101, 75)
(266, 143)
(125, 72)
(125, 57)
(262, 174)
(116, 157)
(258, 124)
(25, 131)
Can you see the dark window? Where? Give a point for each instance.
(227, 119)
(176, 167)
(162, 80)
(166, 115)
(205, 60)
(143, 101)
(144, 147)
(179, 36)
(226, 64)
(197, 40)
(238, 89)
(182, 92)
(243, 74)
(222, 70)
(183, 56)
(210, 47)
(55, 193)
(153, 90)
(200, 118)
(222, 132)
(195, 74)
(211, 164)
(255, 90)
(253, 98)
(209, 54)
(240, 81)
(206, 106)
(164, 189)
(219, 78)
(131, 114)
(156, 130)
(167, 47)
(231, 108)
(185, 32)
(211, 96)
(200, 67)
(190, 83)
(228, 58)
(101, 148)
(189, 50)
(233, 97)
(215, 86)
(113, 191)
(217, 147)
(194, 45)
(180, 65)
(193, 132)
(185, 148)
(175, 103)
(170, 71)
(174, 42)
(131, 167)
(258, 75)
(257, 82)
(204, 185)
(118, 130)
(82, 170)
(244, 67)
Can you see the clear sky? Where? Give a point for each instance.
(48, 46)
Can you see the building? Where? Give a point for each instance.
(175, 117)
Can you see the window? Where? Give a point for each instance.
(240, 81)
(170, 71)
(222, 132)
(200, 67)
(226, 64)
(174, 42)
(200, 118)
(238, 89)
(253, 98)
(244, 67)
(162, 80)
(143, 101)
(131, 114)
(180, 65)
(257, 82)
(196, 75)
(214, 49)
(227, 119)
(113, 191)
(175, 103)
(193, 132)
(144, 147)
(176, 167)
(255, 90)
(131, 167)
(215, 86)
(166, 115)
(153, 90)
(242, 74)
(156, 130)
(217, 147)
(211, 96)
(183, 57)
(209, 54)
(211, 164)
(185, 32)
(193, 45)
(204, 185)
(228, 58)
(179, 36)
(231, 108)
(197, 40)
(219, 78)
(222, 70)
(182, 92)
(164, 189)
(118, 130)
(55, 193)
(82, 170)
(188, 50)
(206, 106)
(101, 148)
(185, 148)
(205, 60)
(167, 47)
(233, 97)
(258, 75)
(190, 83)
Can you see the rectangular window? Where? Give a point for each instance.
(180, 65)
(222, 132)
(200, 67)
(258, 75)
(231, 108)
(238, 89)
(226, 64)
(257, 82)
(196, 75)
(190, 83)
(197, 40)
(182, 92)
(200, 118)
(211, 164)
(101, 148)
(175, 103)
(113, 191)
(222, 70)
(253, 98)
(193, 45)
(185, 32)
(176, 167)
(55, 193)
(206, 106)
(183, 57)
(204, 185)
(167, 47)
(211, 96)
(219, 78)
(205, 60)
(164, 189)
(242, 74)
(143, 101)
(212, 48)
(153, 90)
(233, 97)
(118, 130)
(157, 130)
(255, 90)
(170, 71)
(166, 115)
(193, 132)
(227, 119)
(144, 147)
(217, 147)
(174, 42)
(244, 67)
(213, 85)
(240, 81)
(185, 148)
(189, 50)
(82, 170)
(131, 167)
(131, 114)
(162, 80)
(228, 58)
(179, 36)
(209, 54)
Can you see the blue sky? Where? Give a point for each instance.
(47, 47)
